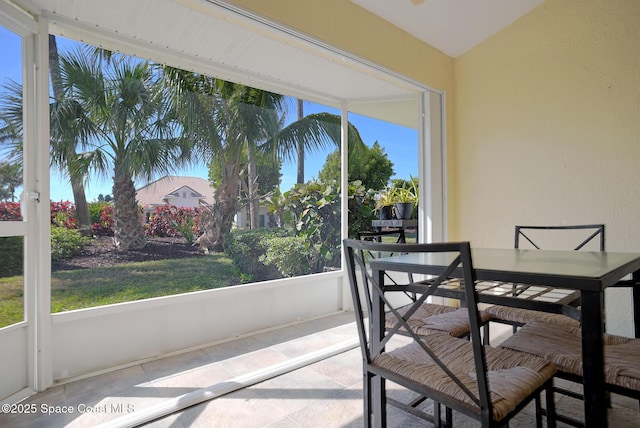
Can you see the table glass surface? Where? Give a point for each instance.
(575, 264)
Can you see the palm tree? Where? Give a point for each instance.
(10, 179)
(70, 128)
(137, 132)
(11, 121)
(228, 123)
(64, 148)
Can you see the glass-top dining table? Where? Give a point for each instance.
(590, 273)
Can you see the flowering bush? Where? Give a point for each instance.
(10, 211)
(171, 221)
(63, 214)
(104, 226)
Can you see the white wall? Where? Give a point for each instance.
(13, 365)
(90, 340)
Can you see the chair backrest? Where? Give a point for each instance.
(575, 237)
(377, 235)
(371, 303)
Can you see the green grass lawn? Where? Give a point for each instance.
(85, 288)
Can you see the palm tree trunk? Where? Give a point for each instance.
(127, 224)
(218, 221)
(252, 186)
(82, 208)
(77, 184)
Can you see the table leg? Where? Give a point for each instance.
(595, 402)
(377, 334)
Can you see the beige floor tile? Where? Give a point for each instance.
(252, 361)
(176, 364)
(233, 410)
(345, 368)
(324, 394)
(191, 380)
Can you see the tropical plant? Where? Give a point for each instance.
(361, 207)
(169, 220)
(104, 225)
(385, 198)
(313, 212)
(11, 123)
(70, 127)
(405, 190)
(63, 214)
(230, 122)
(10, 211)
(95, 210)
(137, 131)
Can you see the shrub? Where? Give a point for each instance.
(10, 211)
(12, 251)
(63, 214)
(66, 243)
(361, 208)
(292, 255)
(104, 225)
(313, 212)
(185, 227)
(171, 221)
(95, 211)
(244, 247)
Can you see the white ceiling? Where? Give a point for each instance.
(452, 26)
(214, 38)
(217, 38)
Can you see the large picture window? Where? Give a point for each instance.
(165, 181)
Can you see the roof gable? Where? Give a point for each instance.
(178, 192)
(159, 191)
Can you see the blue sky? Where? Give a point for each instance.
(400, 143)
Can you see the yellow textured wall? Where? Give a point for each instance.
(547, 117)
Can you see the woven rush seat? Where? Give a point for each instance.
(562, 345)
(523, 316)
(433, 318)
(512, 376)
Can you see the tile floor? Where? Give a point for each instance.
(327, 393)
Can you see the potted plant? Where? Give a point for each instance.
(405, 197)
(384, 203)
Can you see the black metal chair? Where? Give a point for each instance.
(430, 317)
(378, 234)
(542, 324)
(564, 301)
(562, 345)
(488, 384)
